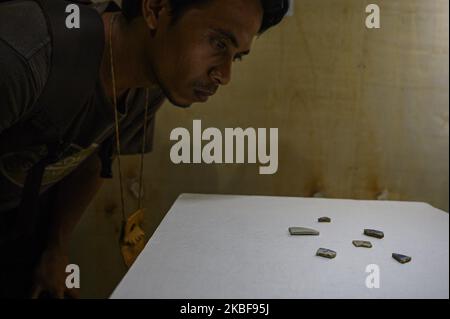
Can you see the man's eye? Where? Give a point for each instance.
(238, 58)
(220, 45)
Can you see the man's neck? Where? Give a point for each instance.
(130, 69)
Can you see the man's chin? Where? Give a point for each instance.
(177, 102)
(183, 106)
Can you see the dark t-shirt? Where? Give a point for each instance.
(25, 51)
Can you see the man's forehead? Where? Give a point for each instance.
(241, 18)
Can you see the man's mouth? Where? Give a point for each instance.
(203, 94)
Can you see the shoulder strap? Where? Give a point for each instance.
(76, 58)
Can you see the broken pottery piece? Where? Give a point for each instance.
(303, 231)
(362, 243)
(324, 220)
(327, 253)
(374, 233)
(401, 258)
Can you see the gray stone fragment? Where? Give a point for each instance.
(324, 220)
(362, 243)
(327, 253)
(374, 233)
(303, 231)
(401, 258)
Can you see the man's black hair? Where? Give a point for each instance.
(274, 10)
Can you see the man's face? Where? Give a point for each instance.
(192, 57)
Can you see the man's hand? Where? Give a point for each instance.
(50, 276)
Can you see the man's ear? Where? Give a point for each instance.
(151, 10)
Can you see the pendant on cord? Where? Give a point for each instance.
(132, 240)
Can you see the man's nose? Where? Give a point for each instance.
(222, 73)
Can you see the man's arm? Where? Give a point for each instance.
(73, 196)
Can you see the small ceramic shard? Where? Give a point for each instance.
(324, 220)
(401, 258)
(374, 233)
(362, 243)
(327, 253)
(303, 231)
